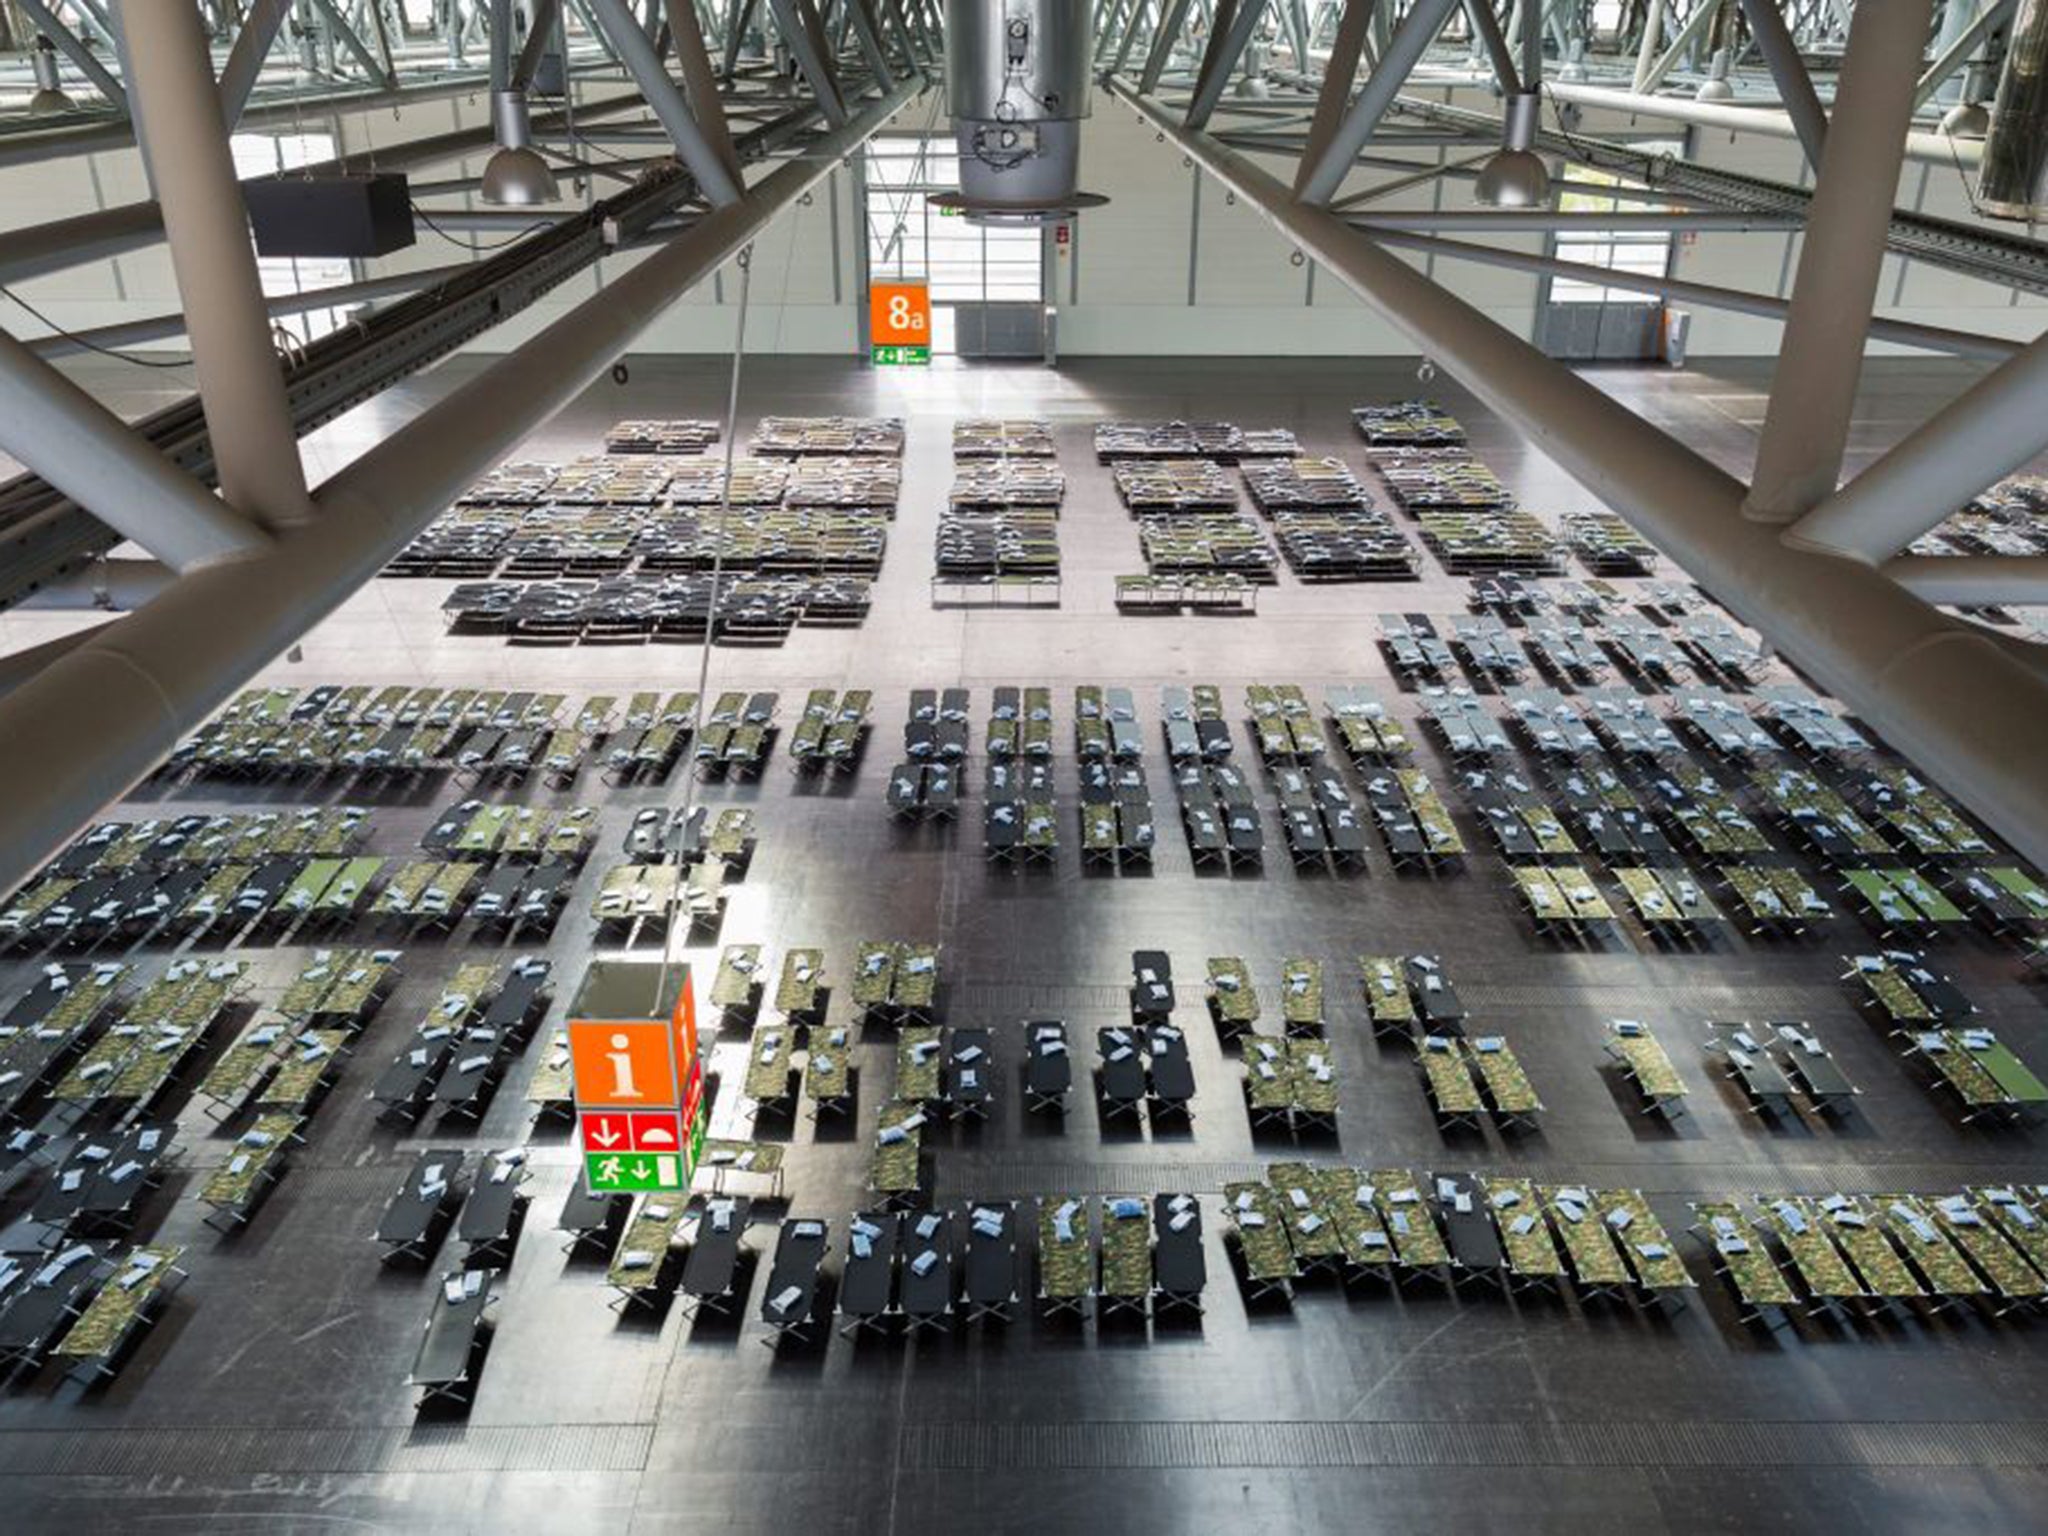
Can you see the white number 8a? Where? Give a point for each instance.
(900, 317)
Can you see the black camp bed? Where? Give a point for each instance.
(940, 792)
(1172, 1072)
(493, 1213)
(712, 1269)
(100, 1185)
(497, 899)
(418, 1214)
(593, 1220)
(43, 1308)
(1120, 1081)
(930, 1260)
(454, 1339)
(404, 1088)
(545, 893)
(867, 1282)
(792, 1293)
(1002, 829)
(1214, 738)
(989, 1288)
(522, 998)
(904, 792)
(1303, 829)
(1151, 984)
(1203, 822)
(969, 1072)
(1469, 1231)
(1048, 1065)
(475, 1066)
(1436, 1000)
(1756, 1072)
(166, 897)
(1812, 1067)
(1180, 1267)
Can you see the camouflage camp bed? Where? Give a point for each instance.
(732, 835)
(768, 1065)
(253, 1168)
(1268, 1082)
(1418, 1245)
(1316, 1239)
(631, 893)
(359, 987)
(1387, 999)
(309, 1065)
(1598, 1268)
(93, 1346)
(702, 895)
(1803, 1231)
(1301, 995)
(552, 1088)
(1761, 1291)
(1262, 1241)
(2016, 1211)
(641, 1271)
(1965, 1222)
(1508, 1089)
(802, 984)
(828, 1071)
(246, 1064)
(1644, 1059)
(1127, 1282)
(1452, 1092)
(914, 990)
(1313, 1086)
(1066, 1255)
(1659, 1271)
(1776, 898)
(893, 1170)
(403, 890)
(1233, 1000)
(1964, 1070)
(568, 838)
(207, 905)
(1859, 1228)
(1351, 1202)
(737, 987)
(874, 974)
(1099, 839)
(723, 1157)
(1532, 1256)
(1944, 1271)
(920, 1059)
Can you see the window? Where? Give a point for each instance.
(266, 154)
(965, 263)
(1647, 252)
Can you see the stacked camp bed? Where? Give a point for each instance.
(803, 436)
(982, 437)
(1367, 733)
(1648, 1066)
(1607, 546)
(1190, 550)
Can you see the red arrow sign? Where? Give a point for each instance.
(607, 1133)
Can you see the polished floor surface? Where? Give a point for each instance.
(272, 1395)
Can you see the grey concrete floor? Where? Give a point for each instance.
(272, 1394)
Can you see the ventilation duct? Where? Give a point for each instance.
(2013, 183)
(1017, 86)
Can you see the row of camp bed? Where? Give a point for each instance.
(1319, 818)
(336, 726)
(1020, 821)
(1106, 724)
(1784, 1254)
(1221, 442)
(461, 1050)
(139, 1052)
(1283, 726)
(1306, 485)
(1020, 723)
(1413, 820)
(97, 1187)
(157, 843)
(1723, 727)
(1409, 424)
(953, 1070)
(512, 896)
(84, 1305)
(679, 835)
(1219, 814)
(1235, 1005)
(737, 735)
(1000, 484)
(1465, 726)
(936, 729)
(1606, 814)
(486, 752)
(1115, 810)
(474, 829)
(1808, 723)
(830, 731)
(1563, 901)
(1563, 649)
(1367, 733)
(1291, 1083)
(1607, 546)
(1006, 552)
(1926, 822)
(1776, 1062)
(656, 898)
(288, 1054)
(918, 791)
(1774, 899)
(1670, 903)
(803, 436)
(45, 1027)
(1704, 814)
(1550, 724)
(1508, 597)
(1344, 546)
(1488, 649)
(1143, 1067)
(989, 437)
(1816, 815)
(1414, 650)
(1646, 651)
(1404, 995)
(689, 607)
(1471, 1077)
(1195, 727)
(1521, 821)
(1191, 547)
(1719, 652)
(660, 436)
(1902, 904)
(1988, 1079)
(896, 981)
(652, 735)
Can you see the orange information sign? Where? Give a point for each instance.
(624, 1064)
(900, 321)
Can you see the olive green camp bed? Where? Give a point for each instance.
(914, 990)
(1127, 1280)
(1351, 1203)
(1232, 998)
(309, 1065)
(1742, 1258)
(92, 1347)
(874, 973)
(631, 893)
(485, 828)
(1387, 999)
(1532, 1254)
(1452, 1092)
(304, 893)
(1659, 1271)
(1099, 840)
(1317, 1241)
(739, 978)
(1262, 1241)
(1598, 1267)
(1066, 1254)
(1507, 1086)
(442, 900)
(552, 1088)
(893, 1170)
(1412, 1229)
(802, 983)
(348, 889)
(1301, 994)
(828, 1071)
(920, 1059)
(247, 1063)
(640, 1273)
(254, 1165)
(1643, 1057)
(724, 1158)
(703, 893)
(211, 901)
(769, 1055)
(1439, 831)
(1964, 1070)
(732, 835)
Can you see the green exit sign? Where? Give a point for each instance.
(635, 1173)
(914, 357)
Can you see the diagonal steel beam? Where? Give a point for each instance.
(352, 40)
(1788, 70)
(1487, 25)
(693, 146)
(1163, 42)
(1226, 47)
(797, 22)
(1418, 29)
(700, 83)
(1338, 74)
(1957, 54)
(244, 65)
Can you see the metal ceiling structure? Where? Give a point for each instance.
(1282, 101)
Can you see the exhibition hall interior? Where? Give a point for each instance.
(912, 766)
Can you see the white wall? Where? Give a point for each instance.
(1122, 287)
